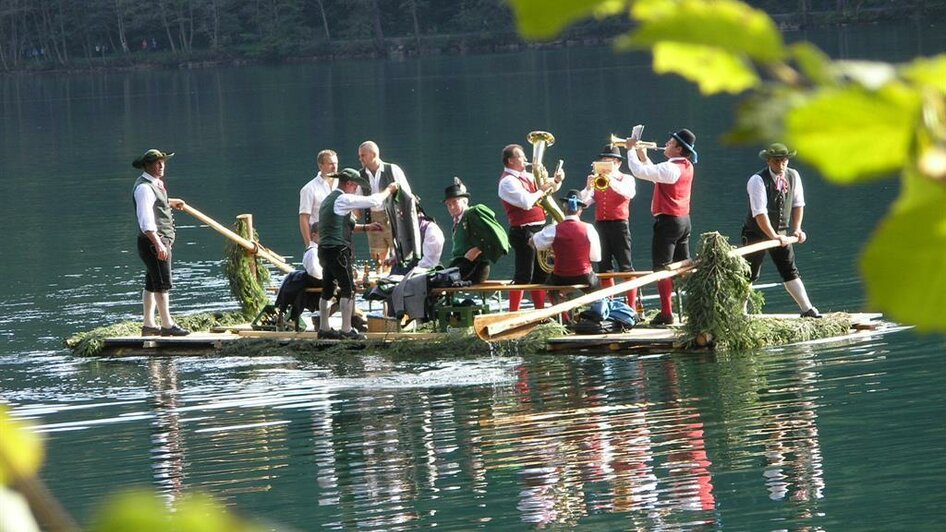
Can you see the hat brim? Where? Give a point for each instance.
(581, 204)
(460, 195)
(611, 155)
(765, 155)
(141, 162)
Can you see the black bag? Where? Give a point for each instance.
(446, 278)
(586, 326)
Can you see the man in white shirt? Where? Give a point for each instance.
(576, 245)
(312, 194)
(432, 237)
(378, 175)
(520, 194)
(612, 214)
(336, 225)
(155, 239)
(776, 210)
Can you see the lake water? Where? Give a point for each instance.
(827, 436)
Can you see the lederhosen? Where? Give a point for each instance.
(335, 254)
(779, 206)
(157, 272)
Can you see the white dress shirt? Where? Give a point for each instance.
(544, 238)
(432, 247)
(666, 172)
(311, 261)
(144, 204)
(513, 192)
(624, 186)
(375, 180)
(759, 203)
(311, 196)
(347, 203)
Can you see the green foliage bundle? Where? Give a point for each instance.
(715, 294)
(853, 120)
(90, 343)
(246, 273)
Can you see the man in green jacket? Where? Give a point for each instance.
(478, 239)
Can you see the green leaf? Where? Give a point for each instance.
(712, 69)
(728, 25)
(761, 115)
(851, 134)
(142, 511)
(545, 19)
(903, 264)
(21, 449)
(813, 63)
(928, 71)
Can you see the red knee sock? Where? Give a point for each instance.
(538, 298)
(607, 283)
(515, 299)
(632, 298)
(665, 288)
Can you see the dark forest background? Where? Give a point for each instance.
(93, 34)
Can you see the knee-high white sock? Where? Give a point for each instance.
(346, 306)
(796, 289)
(163, 299)
(325, 310)
(147, 299)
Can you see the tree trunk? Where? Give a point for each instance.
(121, 26)
(378, 32)
(328, 36)
(167, 27)
(416, 24)
(215, 25)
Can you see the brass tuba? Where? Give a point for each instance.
(541, 140)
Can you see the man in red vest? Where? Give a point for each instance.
(612, 215)
(575, 243)
(670, 206)
(519, 194)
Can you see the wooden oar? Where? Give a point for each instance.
(509, 326)
(249, 245)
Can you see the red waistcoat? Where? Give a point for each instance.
(519, 216)
(572, 249)
(674, 199)
(609, 205)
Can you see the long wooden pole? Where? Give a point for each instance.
(508, 326)
(249, 245)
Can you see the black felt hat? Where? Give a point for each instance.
(456, 190)
(573, 194)
(686, 138)
(611, 151)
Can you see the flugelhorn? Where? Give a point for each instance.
(641, 144)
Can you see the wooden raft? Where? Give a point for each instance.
(650, 339)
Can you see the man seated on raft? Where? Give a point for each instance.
(478, 239)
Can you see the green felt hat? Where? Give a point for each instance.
(149, 157)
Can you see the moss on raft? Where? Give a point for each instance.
(458, 344)
(90, 343)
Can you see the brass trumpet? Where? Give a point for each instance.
(641, 144)
(602, 172)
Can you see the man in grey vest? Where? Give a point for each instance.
(155, 240)
(776, 210)
(383, 245)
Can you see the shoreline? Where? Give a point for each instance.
(403, 48)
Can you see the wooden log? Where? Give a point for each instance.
(503, 326)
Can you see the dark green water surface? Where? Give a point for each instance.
(833, 436)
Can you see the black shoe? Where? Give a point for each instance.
(150, 331)
(330, 334)
(663, 319)
(353, 335)
(174, 331)
(811, 313)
